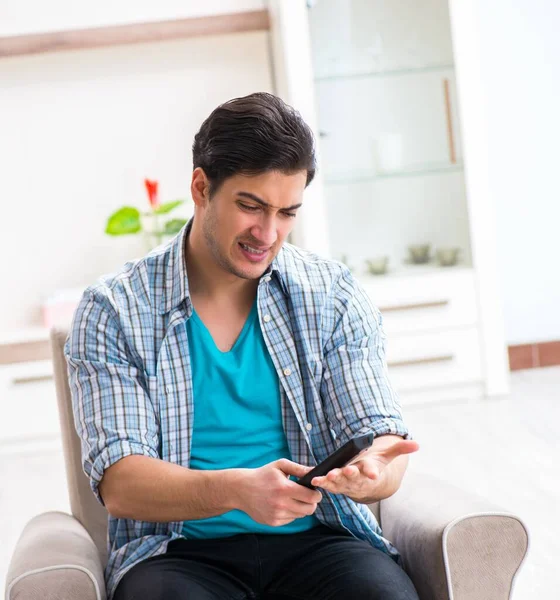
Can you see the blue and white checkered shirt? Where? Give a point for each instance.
(130, 376)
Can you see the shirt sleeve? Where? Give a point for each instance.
(355, 388)
(113, 412)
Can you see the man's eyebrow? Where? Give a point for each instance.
(263, 203)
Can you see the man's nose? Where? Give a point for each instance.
(265, 231)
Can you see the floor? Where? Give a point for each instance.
(507, 450)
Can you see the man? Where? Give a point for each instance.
(210, 374)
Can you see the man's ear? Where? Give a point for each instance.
(200, 188)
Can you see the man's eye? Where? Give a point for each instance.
(291, 215)
(248, 207)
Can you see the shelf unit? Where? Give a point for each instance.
(444, 324)
(386, 73)
(411, 171)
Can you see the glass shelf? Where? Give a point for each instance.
(386, 73)
(408, 270)
(412, 171)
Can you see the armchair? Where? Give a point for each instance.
(455, 545)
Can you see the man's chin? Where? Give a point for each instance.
(252, 273)
(247, 270)
(242, 271)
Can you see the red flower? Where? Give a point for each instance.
(151, 188)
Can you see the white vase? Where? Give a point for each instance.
(388, 152)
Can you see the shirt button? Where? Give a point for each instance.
(267, 318)
(266, 279)
(168, 390)
(287, 372)
(309, 427)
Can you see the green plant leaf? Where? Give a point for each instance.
(126, 220)
(167, 207)
(174, 226)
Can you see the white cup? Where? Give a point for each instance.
(389, 152)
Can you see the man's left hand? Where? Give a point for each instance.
(361, 480)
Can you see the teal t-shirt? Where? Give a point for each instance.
(237, 419)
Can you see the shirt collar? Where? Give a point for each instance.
(176, 285)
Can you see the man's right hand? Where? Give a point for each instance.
(268, 496)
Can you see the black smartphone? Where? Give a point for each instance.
(338, 459)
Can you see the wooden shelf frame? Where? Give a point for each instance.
(136, 33)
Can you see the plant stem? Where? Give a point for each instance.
(159, 233)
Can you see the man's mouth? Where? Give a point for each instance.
(253, 254)
(252, 250)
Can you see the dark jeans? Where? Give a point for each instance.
(319, 564)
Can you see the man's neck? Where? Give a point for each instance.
(210, 281)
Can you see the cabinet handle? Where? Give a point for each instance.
(30, 379)
(421, 361)
(450, 136)
(438, 303)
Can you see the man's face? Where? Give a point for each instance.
(248, 219)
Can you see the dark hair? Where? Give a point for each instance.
(252, 135)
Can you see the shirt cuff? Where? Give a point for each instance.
(112, 454)
(382, 427)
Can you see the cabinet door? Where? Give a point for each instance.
(429, 302)
(391, 150)
(28, 406)
(434, 360)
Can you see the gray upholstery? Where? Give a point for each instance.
(55, 559)
(83, 504)
(455, 545)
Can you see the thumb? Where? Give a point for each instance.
(402, 447)
(289, 467)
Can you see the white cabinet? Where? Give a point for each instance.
(433, 338)
(433, 360)
(432, 301)
(28, 408)
(387, 88)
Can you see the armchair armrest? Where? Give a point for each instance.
(55, 558)
(455, 545)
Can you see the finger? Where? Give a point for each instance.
(325, 481)
(339, 480)
(322, 482)
(371, 471)
(289, 467)
(351, 472)
(300, 509)
(334, 475)
(292, 509)
(303, 494)
(402, 447)
(330, 486)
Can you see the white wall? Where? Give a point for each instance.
(80, 130)
(79, 133)
(520, 47)
(35, 16)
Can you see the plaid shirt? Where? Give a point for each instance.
(132, 390)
